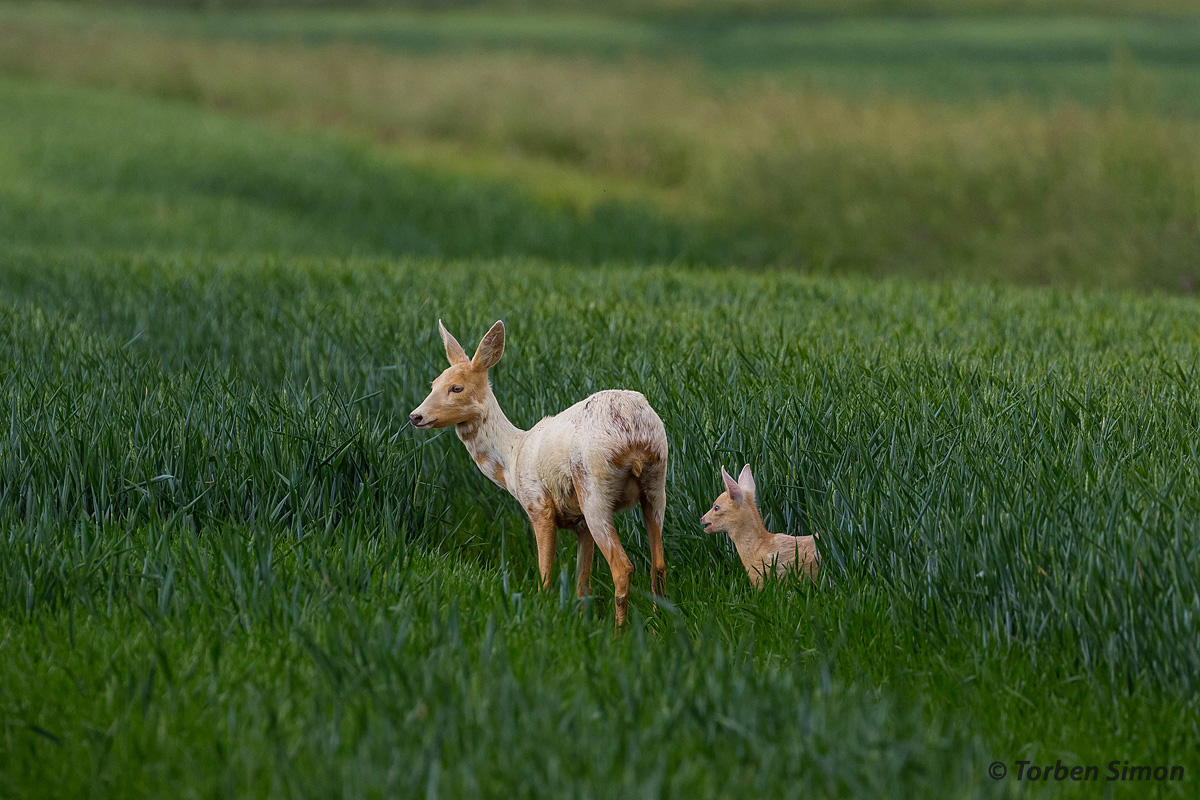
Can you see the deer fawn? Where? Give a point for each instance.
(572, 470)
(736, 512)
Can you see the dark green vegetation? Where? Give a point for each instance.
(228, 568)
(227, 565)
(685, 10)
(963, 58)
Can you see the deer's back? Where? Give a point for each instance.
(794, 552)
(609, 439)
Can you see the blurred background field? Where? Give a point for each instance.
(924, 264)
(1040, 146)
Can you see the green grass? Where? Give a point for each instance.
(102, 170)
(228, 568)
(1069, 199)
(489, 152)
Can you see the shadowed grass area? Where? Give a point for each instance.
(229, 568)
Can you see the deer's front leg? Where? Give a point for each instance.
(545, 533)
(587, 550)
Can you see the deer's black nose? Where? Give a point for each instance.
(415, 418)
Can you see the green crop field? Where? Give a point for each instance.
(946, 317)
(1063, 150)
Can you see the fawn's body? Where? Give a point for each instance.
(762, 553)
(571, 471)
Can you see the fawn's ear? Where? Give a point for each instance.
(735, 491)
(491, 347)
(454, 352)
(746, 481)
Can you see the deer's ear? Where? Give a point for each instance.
(454, 352)
(746, 481)
(491, 347)
(735, 491)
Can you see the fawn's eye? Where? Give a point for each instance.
(716, 508)
(456, 389)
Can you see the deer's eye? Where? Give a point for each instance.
(716, 508)
(456, 389)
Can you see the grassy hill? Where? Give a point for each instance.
(1060, 152)
(229, 568)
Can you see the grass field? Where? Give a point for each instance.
(965, 57)
(228, 567)
(1060, 151)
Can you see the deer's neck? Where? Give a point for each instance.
(492, 441)
(750, 536)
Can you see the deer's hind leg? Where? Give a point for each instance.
(653, 497)
(597, 501)
(587, 551)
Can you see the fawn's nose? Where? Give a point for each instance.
(415, 418)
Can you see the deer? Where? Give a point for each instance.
(763, 553)
(571, 471)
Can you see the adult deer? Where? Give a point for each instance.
(570, 471)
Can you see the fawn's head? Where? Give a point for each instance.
(459, 392)
(736, 505)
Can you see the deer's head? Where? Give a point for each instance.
(736, 507)
(459, 393)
